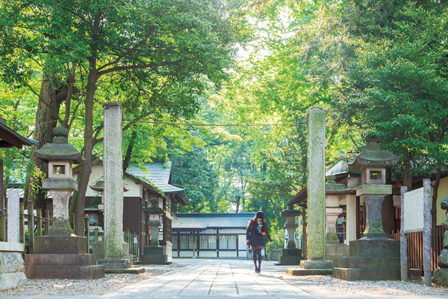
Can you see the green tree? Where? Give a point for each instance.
(188, 42)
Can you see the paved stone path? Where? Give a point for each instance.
(219, 279)
(212, 279)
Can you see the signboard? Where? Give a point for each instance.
(414, 211)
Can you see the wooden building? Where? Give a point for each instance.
(143, 183)
(213, 235)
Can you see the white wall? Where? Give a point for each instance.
(208, 254)
(135, 190)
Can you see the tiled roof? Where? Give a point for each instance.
(211, 220)
(158, 173)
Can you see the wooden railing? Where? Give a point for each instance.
(129, 238)
(415, 246)
(33, 223)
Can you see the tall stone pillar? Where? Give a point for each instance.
(351, 218)
(113, 181)
(13, 200)
(316, 184)
(316, 263)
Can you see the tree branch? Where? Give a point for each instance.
(141, 66)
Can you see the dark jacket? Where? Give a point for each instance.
(251, 233)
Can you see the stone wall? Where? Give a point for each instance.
(12, 266)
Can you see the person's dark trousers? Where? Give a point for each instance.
(255, 256)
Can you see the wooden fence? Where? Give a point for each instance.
(41, 223)
(415, 246)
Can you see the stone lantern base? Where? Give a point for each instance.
(155, 255)
(290, 256)
(61, 257)
(370, 259)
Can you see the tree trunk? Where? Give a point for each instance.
(46, 114)
(435, 191)
(128, 156)
(388, 210)
(86, 168)
(237, 204)
(407, 179)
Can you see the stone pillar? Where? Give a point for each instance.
(316, 263)
(316, 184)
(13, 216)
(332, 213)
(113, 181)
(351, 218)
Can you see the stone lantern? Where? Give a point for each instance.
(154, 253)
(373, 257)
(98, 247)
(333, 192)
(61, 253)
(440, 275)
(290, 255)
(373, 163)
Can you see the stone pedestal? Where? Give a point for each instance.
(12, 271)
(290, 256)
(370, 260)
(373, 257)
(61, 255)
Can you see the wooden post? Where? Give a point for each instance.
(39, 221)
(31, 225)
(2, 206)
(358, 223)
(87, 230)
(427, 231)
(47, 221)
(22, 223)
(403, 240)
(2, 191)
(96, 235)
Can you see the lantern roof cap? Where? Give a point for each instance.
(373, 156)
(333, 188)
(99, 186)
(60, 149)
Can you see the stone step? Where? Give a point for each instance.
(64, 272)
(59, 260)
(366, 274)
(306, 272)
(157, 259)
(337, 249)
(361, 262)
(375, 248)
(60, 245)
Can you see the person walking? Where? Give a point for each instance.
(255, 230)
